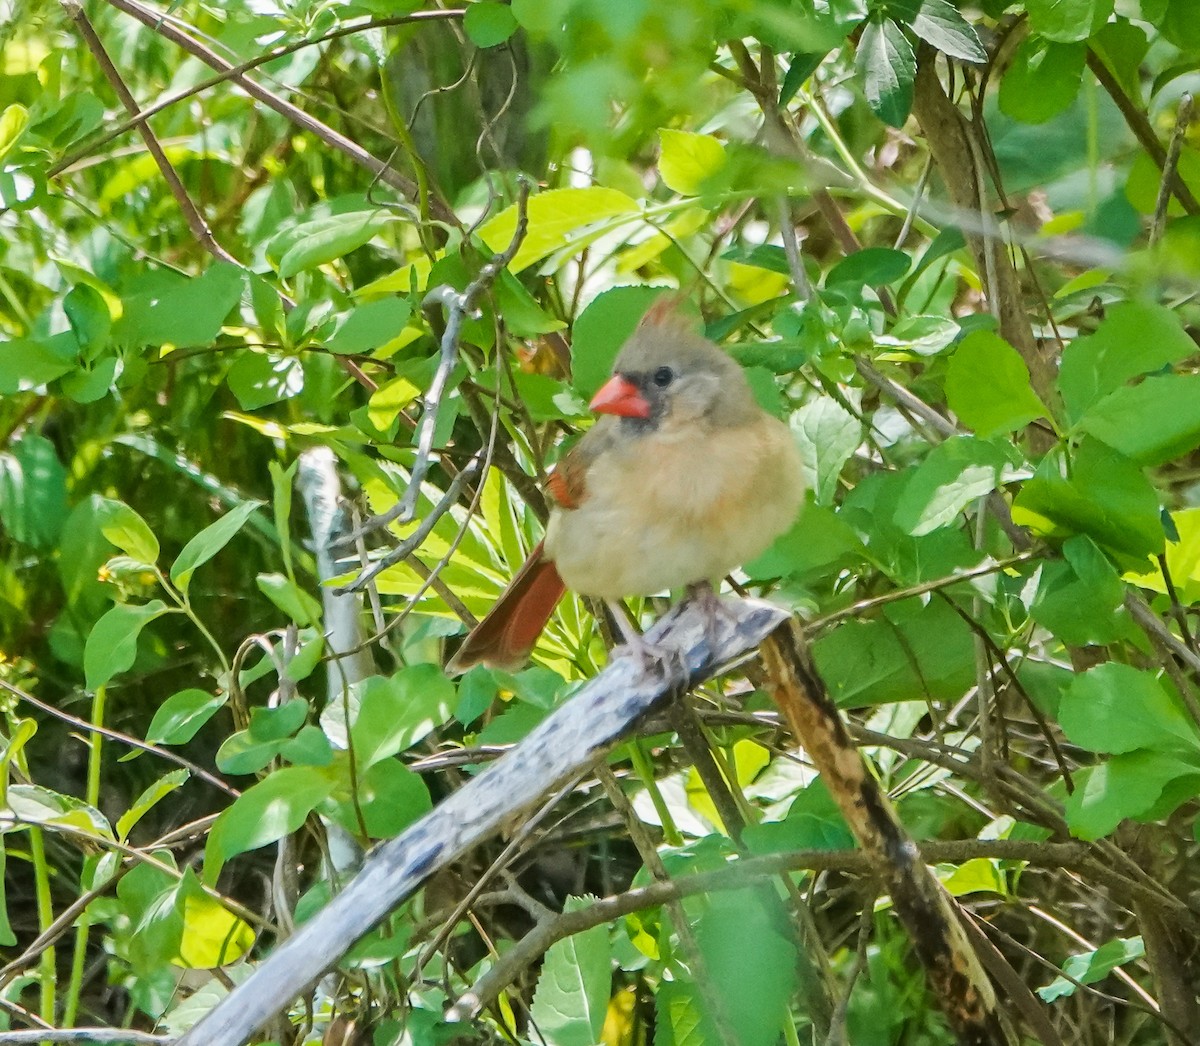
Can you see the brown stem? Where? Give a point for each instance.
(191, 213)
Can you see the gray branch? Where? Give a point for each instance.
(575, 737)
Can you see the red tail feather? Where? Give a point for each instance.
(506, 636)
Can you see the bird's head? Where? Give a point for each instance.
(667, 374)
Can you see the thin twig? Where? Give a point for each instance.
(191, 214)
(233, 72)
(115, 735)
(414, 540)
(862, 606)
(1183, 117)
(460, 306)
(736, 875)
(325, 133)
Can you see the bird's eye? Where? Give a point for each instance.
(663, 377)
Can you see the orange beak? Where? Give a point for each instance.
(620, 396)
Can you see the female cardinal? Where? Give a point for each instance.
(683, 478)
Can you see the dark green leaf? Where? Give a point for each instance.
(602, 328)
(322, 240)
(112, 643)
(182, 311)
(33, 491)
(258, 378)
(1042, 80)
(1101, 494)
(1126, 785)
(265, 813)
(181, 715)
(26, 363)
(1079, 599)
(872, 266)
(390, 798)
(201, 548)
(939, 23)
(887, 67)
(149, 798)
(370, 325)
(278, 723)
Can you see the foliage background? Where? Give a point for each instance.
(955, 245)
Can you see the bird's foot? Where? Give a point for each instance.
(653, 659)
(705, 597)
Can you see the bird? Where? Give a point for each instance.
(682, 478)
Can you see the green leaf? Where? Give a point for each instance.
(201, 548)
(310, 747)
(265, 813)
(395, 712)
(911, 651)
(1043, 79)
(1068, 20)
(1115, 708)
(979, 875)
(1101, 494)
(601, 330)
(476, 692)
(953, 475)
(91, 321)
(177, 720)
(828, 435)
(988, 386)
(559, 220)
(571, 1000)
(1080, 598)
(390, 798)
(278, 723)
(13, 122)
(211, 935)
(813, 822)
(687, 160)
(317, 242)
(127, 530)
(939, 23)
(872, 266)
(924, 335)
(1151, 423)
(887, 67)
(1128, 785)
(33, 491)
(7, 937)
(260, 378)
(182, 311)
(487, 23)
(371, 325)
(111, 645)
(27, 363)
(290, 598)
(1092, 966)
(1133, 339)
(751, 961)
(1183, 560)
(145, 802)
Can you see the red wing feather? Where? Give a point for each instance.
(505, 638)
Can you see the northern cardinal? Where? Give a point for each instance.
(683, 477)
